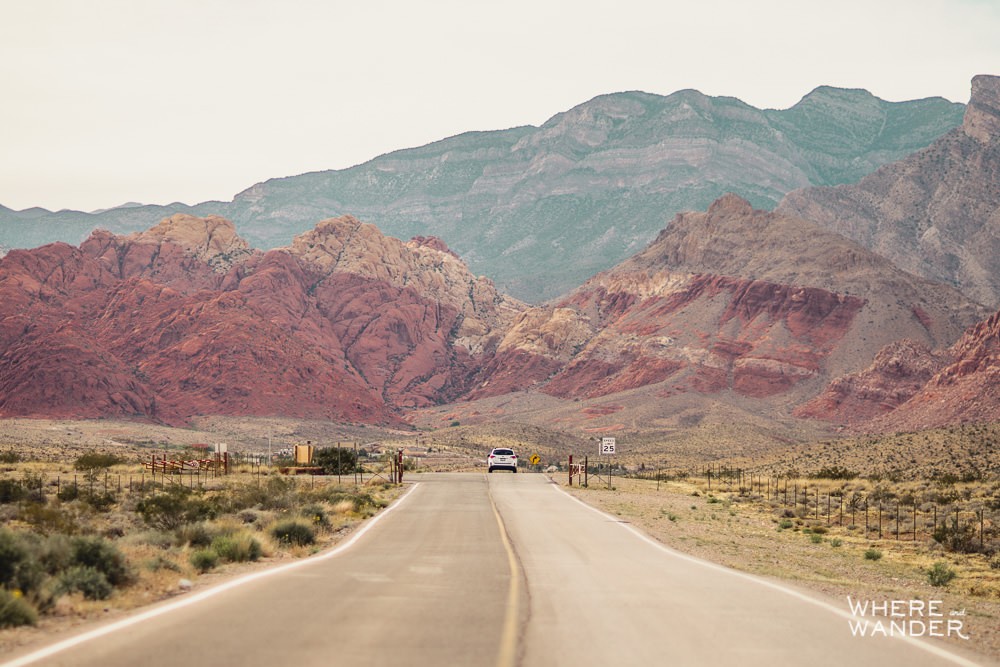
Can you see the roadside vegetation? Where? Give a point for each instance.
(98, 532)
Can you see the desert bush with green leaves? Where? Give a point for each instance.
(98, 539)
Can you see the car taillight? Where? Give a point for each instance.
(492, 457)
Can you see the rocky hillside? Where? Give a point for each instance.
(935, 213)
(909, 387)
(734, 300)
(185, 319)
(734, 306)
(540, 209)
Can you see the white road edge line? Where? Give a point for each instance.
(58, 647)
(930, 648)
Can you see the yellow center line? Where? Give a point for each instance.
(507, 657)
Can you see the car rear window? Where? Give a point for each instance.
(503, 452)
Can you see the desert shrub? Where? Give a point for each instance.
(785, 524)
(834, 472)
(958, 537)
(995, 562)
(816, 539)
(294, 532)
(15, 610)
(153, 537)
(49, 519)
(100, 501)
(204, 559)
(276, 493)
(174, 507)
(194, 534)
(819, 530)
(12, 554)
(96, 461)
(20, 568)
(881, 494)
(940, 574)
(54, 553)
(68, 492)
(836, 542)
(161, 563)
(88, 580)
(315, 515)
(237, 548)
(9, 456)
(103, 556)
(11, 491)
(336, 460)
(247, 516)
(873, 554)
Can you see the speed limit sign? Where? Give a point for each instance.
(607, 445)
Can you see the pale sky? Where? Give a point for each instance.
(109, 101)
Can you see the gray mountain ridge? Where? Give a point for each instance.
(540, 209)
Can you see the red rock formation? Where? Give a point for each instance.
(732, 300)
(965, 389)
(898, 372)
(185, 319)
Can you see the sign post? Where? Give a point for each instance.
(608, 447)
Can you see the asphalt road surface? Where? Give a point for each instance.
(502, 569)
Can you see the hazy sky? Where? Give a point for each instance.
(108, 101)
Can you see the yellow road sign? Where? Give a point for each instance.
(535, 459)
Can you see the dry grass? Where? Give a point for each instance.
(968, 451)
(159, 558)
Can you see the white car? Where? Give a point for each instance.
(502, 459)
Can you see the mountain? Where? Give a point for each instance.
(732, 302)
(730, 307)
(910, 387)
(540, 209)
(186, 319)
(934, 213)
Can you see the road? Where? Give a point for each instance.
(502, 569)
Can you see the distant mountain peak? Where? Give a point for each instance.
(982, 115)
(932, 212)
(212, 239)
(730, 205)
(821, 92)
(540, 209)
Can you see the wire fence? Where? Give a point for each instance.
(959, 521)
(107, 486)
